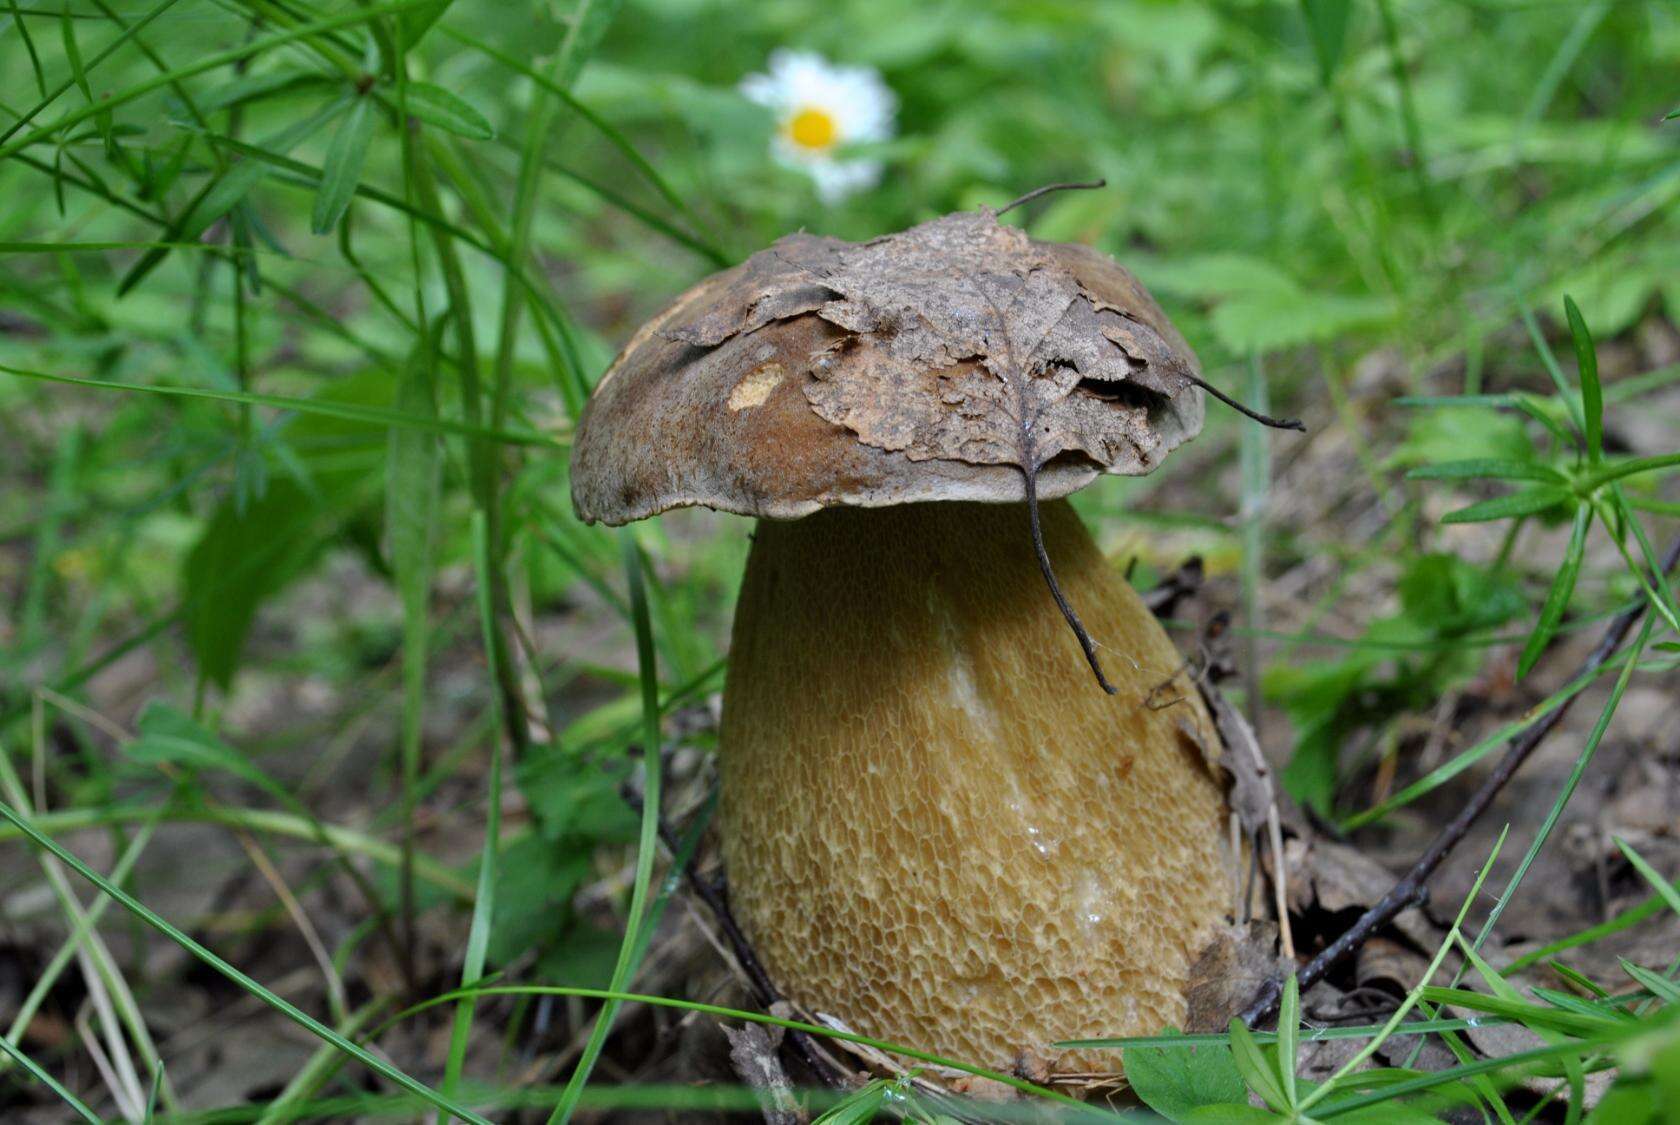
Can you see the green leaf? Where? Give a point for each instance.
(1526, 503)
(1631, 1101)
(1327, 23)
(419, 20)
(1592, 392)
(1255, 1068)
(1230, 1114)
(1487, 468)
(1288, 1028)
(240, 560)
(342, 169)
(1173, 1081)
(858, 1108)
(437, 106)
(1667, 890)
(1654, 983)
(168, 736)
(1557, 598)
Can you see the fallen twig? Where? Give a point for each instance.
(1410, 888)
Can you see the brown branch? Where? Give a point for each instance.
(1411, 888)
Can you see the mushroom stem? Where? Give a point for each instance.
(934, 830)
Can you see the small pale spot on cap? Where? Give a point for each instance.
(755, 386)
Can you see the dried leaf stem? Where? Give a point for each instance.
(1078, 626)
(1263, 419)
(1073, 185)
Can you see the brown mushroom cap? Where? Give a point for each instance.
(821, 373)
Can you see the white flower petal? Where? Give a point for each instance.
(854, 98)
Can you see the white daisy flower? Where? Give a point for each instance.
(820, 108)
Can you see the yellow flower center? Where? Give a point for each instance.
(813, 129)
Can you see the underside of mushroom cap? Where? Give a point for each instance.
(940, 363)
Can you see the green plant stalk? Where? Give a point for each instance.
(412, 561)
(483, 464)
(484, 903)
(624, 969)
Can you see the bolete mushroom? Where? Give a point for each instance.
(935, 827)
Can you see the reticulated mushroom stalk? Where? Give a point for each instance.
(935, 827)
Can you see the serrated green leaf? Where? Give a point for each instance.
(1173, 1081)
(1526, 503)
(1557, 598)
(341, 171)
(437, 106)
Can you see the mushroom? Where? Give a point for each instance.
(936, 829)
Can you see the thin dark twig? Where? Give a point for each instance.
(764, 990)
(1263, 419)
(1076, 185)
(1073, 621)
(1411, 888)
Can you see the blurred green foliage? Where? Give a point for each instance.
(372, 335)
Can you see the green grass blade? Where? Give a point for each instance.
(348, 412)
(40, 1075)
(1582, 760)
(652, 743)
(303, 1019)
(1012, 1081)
